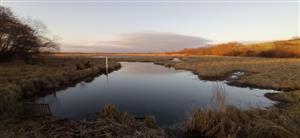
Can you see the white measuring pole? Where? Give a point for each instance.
(106, 64)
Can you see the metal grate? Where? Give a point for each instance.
(36, 109)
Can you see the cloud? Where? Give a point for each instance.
(92, 48)
(142, 42)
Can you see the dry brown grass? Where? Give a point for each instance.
(109, 124)
(231, 122)
(235, 123)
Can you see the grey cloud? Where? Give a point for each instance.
(92, 48)
(144, 42)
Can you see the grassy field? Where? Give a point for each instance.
(282, 120)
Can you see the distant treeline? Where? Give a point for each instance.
(21, 38)
(281, 49)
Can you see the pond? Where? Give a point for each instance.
(144, 89)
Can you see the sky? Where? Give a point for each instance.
(160, 25)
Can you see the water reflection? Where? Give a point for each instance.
(147, 89)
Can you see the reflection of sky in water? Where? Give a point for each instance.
(144, 89)
(147, 70)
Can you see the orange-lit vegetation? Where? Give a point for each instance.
(282, 49)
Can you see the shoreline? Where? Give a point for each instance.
(87, 78)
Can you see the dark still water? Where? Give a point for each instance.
(146, 89)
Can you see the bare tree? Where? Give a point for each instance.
(22, 39)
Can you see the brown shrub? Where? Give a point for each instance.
(79, 67)
(88, 64)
